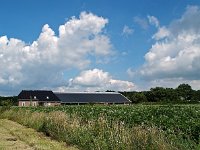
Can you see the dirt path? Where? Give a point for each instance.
(14, 136)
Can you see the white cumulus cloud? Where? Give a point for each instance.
(176, 52)
(162, 33)
(42, 63)
(96, 80)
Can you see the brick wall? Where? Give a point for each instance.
(52, 104)
(35, 103)
(27, 103)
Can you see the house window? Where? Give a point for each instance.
(23, 104)
(47, 104)
(35, 97)
(34, 103)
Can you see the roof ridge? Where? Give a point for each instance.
(86, 92)
(38, 90)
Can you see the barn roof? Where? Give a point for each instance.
(106, 97)
(40, 95)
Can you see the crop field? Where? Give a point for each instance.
(116, 127)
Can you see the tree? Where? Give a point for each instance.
(138, 97)
(149, 95)
(8, 101)
(172, 95)
(159, 94)
(184, 92)
(196, 96)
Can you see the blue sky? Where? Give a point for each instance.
(98, 45)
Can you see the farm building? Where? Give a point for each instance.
(48, 98)
(38, 98)
(92, 98)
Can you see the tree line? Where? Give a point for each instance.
(182, 94)
(8, 101)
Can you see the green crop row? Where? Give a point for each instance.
(180, 121)
(183, 119)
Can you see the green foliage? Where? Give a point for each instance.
(8, 101)
(196, 96)
(115, 127)
(182, 94)
(184, 91)
(179, 123)
(173, 119)
(138, 97)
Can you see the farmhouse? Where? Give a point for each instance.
(48, 98)
(38, 98)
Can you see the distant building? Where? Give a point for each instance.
(48, 98)
(92, 98)
(38, 98)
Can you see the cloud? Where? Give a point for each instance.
(153, 21)
(145, 22)
(127, 31)
(162, 33)
(176, 51)
(130, 72)
(96, 80)
(42, 63)
(142, 22)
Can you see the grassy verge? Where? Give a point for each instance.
(16, 136)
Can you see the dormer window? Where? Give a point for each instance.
(47, 97)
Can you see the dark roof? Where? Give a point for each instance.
(106, 97)
(39, 95)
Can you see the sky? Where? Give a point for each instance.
(90, 45)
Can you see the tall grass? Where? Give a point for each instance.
(100, 134)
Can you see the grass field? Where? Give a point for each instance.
(116, 127)
(18, 137)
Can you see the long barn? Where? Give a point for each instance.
(49, 98)
(92, 98)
